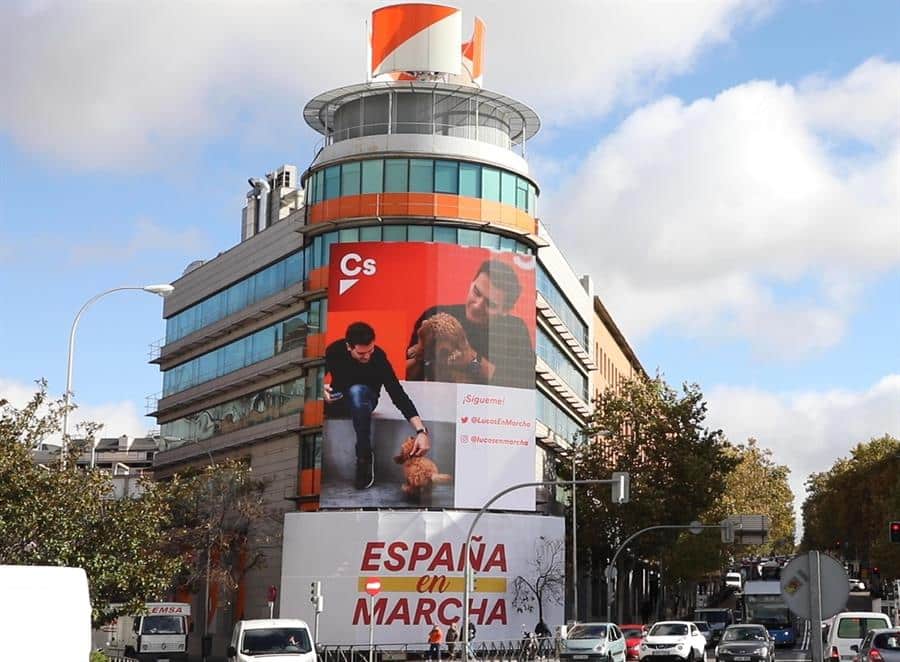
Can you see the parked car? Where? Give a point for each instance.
(594, 641)
(706, 631)
(634, 635)
(680, 640)
(287, 639)
(881, 645)
(746, 643)
(848, 629)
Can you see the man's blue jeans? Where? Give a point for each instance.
(359, 402)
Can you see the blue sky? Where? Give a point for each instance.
(728, 172)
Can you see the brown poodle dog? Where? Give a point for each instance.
(421, 473)
(443, 341)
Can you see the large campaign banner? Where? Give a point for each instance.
(417, 557)
(456, 326)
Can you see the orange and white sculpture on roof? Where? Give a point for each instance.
(418, 41)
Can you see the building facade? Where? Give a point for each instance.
(412, 156)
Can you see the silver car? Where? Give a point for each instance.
(745, 643)
(882, 645)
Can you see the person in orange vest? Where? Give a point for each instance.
(435, 638)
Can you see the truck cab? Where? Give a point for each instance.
(158, 635)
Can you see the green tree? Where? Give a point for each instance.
(220, 524)
(756, 485)
(848, 507)
(66, 516)
(678, 466)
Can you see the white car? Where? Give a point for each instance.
(679, 641)
(594, 641)
(848, 629)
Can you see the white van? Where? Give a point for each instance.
(45, 614)
(848, 629)
(284, 639)
(733, 580)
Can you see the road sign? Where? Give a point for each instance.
(373, 586)
(797, 581)
(696, 528)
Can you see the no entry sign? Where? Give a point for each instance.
(373, 586)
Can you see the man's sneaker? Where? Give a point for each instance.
(365, 473)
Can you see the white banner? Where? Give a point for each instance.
(417, 557)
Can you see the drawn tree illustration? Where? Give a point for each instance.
(546, 581)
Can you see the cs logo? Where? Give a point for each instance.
(353, 264)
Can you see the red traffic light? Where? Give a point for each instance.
(895, 532)
(272, 593)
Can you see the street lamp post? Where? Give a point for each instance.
(162, 290)
(467, 567)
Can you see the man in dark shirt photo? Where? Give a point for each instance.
(487, 346)
(358, 369)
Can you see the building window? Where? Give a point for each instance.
(508, 188)
(350, 179)
(396, 173)
(372, 176)
(490, 184)
(470, 180)
(237, 414)
(258, 346)
(332, 182)
(446, 177)
(236, 297)
(421, 176)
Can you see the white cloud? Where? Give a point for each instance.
(136, 84)
(807, 431)
(147, 239)
(698, 216)
(117, 418)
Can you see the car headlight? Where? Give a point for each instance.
(679, 647)
(643, 647)
(599, 648)
(762, 650)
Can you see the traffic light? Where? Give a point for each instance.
(315, 589)
(895, 531)
(473, 581)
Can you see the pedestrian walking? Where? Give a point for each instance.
(435, 638)
(452, 638)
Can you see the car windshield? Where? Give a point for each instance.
(856, 628)
(703, 626)
(669, 630)
(162, 625)
(588, 632)
(631, 633)
(272, 641)
(719, 616)
(744, 634)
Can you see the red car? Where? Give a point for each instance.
(634, 633)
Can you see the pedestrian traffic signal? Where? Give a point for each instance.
(895, 531)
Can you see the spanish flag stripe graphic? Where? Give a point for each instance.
(432, 584)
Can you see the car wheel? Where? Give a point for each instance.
(690, 657)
